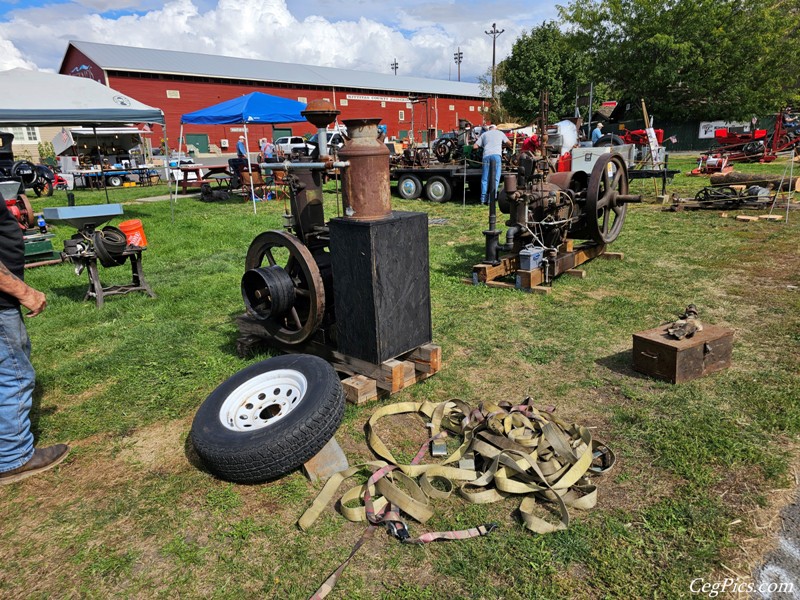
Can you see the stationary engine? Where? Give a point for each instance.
(546, 209)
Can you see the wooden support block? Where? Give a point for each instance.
(427, 358)
(540, 289)
(576, 273)
(568, 246)
(395, 374)
(481, 273)
(771, 217)
(746, 218)
(359, 389)
(529, 279)
(723, 215)
(613, 255)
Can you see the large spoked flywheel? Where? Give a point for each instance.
(282, 287)
(605, 198)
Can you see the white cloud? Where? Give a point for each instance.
(421, 34)
(11, 57)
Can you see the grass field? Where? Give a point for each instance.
(702, 467)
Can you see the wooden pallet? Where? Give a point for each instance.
(364, 381)
(533, 281)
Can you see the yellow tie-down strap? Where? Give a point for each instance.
(519, 450)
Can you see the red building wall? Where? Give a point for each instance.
(179, 95)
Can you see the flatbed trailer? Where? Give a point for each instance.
(436, 182)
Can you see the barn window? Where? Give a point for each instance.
(452, 107)
(342, 102)
(302, 99)
(401, 115)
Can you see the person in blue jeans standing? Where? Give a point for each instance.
(492, 141)
(18, 457)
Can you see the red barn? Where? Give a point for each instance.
(183, 82)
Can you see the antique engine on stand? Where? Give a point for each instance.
(354, 290)
(547, 211)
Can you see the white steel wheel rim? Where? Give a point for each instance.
(436, 190)
(263, 400)
(409, 186)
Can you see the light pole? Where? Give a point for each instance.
(394, 66)
(494, 33)
(459, 56)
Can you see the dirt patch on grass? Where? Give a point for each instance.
(160, 446)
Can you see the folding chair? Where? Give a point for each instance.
(253, 181)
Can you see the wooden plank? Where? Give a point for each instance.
(501, 284)
(771, 217)
(508, 264)
(576, 273)
(568, 246)
(612, 255)
(360, 389)
(746, 218)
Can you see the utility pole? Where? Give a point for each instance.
(494, 33)
(459, 56)
(394, 66)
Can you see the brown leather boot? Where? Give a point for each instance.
(42, 460)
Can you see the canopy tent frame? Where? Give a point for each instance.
(51, 99)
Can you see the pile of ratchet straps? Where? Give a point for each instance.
(519, 450)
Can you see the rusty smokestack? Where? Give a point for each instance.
(365, 183)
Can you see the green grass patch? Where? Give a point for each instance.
(122, 383)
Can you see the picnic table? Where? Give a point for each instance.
(203, 174)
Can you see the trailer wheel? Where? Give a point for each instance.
(409, 187)
(438, 189)
(114, 180)
(269, 418)
(609, 139)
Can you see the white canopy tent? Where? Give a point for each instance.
(36, 98)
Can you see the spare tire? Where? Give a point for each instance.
(609, 139)
(269, 418)
(25, 171)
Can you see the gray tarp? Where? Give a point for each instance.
(37, 98)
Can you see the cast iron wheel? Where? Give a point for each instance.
(423, 157)
(106, 258)
(438, 189)
(444, 149)
(44, 186)
(114, 180)
(605, 215)
(268, 419)
(609, 139)
(307, 306)
(409, 187)
(26, 210)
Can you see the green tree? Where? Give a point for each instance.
(702, 59)
(542, 60)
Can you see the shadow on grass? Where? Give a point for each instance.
(621, 363)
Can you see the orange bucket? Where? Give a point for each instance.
(134, 232)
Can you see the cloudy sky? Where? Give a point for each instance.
(422, 35)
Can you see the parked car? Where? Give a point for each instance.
(293, 143)
(335, 141)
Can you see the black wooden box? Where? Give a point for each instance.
(381, 285)
(657, 353)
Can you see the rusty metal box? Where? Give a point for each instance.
(658, 354)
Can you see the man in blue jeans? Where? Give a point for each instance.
(492, 142)
(18, 458)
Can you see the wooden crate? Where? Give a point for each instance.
(658, 354)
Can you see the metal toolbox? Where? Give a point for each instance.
(658, 354)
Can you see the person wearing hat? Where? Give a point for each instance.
(492, 141)
(241, 148)
(597, 133)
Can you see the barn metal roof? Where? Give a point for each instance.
(150, 60)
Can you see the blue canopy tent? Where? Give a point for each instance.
(254, 108)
